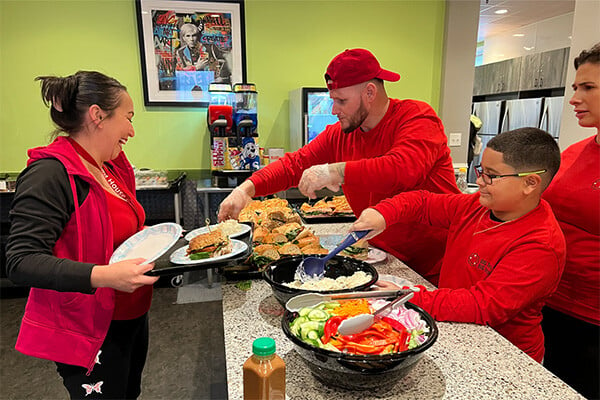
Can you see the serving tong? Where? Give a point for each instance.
(360, 322)
(313, 299)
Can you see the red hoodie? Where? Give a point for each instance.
(493, 273)
(70, 327)
(407, 150)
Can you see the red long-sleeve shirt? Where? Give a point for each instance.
(407, 150)
(493, 273)
(574, 195)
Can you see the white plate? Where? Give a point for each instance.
(179, 256)
(330, 242)
(396, 279)
(376, 256)
(192, 234)
(149, 243)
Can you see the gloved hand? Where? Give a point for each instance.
(369, 219)
(317, 177)
(232, 205)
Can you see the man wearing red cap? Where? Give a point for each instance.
(379, 148)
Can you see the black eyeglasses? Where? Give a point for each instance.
(488, 178)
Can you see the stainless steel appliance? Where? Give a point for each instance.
(521, 113)
(551, 115)
(490, 113)
(310, 113)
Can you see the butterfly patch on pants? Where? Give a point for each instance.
(96, 387)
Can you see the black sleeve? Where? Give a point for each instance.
(42, 206)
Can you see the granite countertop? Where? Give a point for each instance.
(468, 361)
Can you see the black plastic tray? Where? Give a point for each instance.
(325, 219)
(163, 266)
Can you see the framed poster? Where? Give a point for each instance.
(186, 45)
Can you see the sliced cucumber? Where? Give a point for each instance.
(318, 315)
(304, 311)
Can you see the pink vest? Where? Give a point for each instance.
(70, 327)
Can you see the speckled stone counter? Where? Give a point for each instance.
(467, 362)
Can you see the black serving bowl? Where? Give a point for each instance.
(355, 371)
(284, 269)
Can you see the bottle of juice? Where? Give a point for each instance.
(264, 372)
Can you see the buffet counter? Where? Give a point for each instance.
(468, 361)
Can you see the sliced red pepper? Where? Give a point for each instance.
(331, 327)
(365, 349)
(394, 324)
(403, 341)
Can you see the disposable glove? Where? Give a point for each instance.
(232, 205)
(317, 177)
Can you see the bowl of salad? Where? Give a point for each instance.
(342, 274)
(373, 359)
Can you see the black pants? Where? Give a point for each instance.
(572, 351)
(117, 373)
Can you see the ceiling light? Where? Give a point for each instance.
(501, 11)
(528, 48)
(519, 35)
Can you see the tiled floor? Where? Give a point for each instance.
(186, 358)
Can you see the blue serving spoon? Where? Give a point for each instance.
(314, 267)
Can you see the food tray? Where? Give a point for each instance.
(325, 219)
(163, 265)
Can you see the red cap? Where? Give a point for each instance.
(355, 66)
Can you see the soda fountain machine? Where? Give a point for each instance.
(232, 122)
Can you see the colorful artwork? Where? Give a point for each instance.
(191, 50)
(192, 45)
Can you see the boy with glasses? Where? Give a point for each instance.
(505, 251)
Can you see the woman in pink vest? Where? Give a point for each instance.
(74, 204)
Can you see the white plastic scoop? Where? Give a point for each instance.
(359, 323)
(312, 299)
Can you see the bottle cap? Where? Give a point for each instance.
(264, 346)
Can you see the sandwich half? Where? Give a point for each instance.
(359, 250)
(210, 244)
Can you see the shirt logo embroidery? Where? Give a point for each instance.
(96, 387)
(482, 265)
(596, 184)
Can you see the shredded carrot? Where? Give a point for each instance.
(352, 307)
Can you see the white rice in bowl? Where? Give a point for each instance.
(342, 282)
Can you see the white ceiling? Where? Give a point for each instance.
(520, 13)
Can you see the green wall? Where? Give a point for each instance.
(289, 44)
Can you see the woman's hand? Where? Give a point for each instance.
(369, 219)
(125, 276)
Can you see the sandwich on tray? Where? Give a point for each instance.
(208, 245)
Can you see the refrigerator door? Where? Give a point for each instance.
(521, 113)
(310, 113)
(551, 115)
(471, 178)
(318, 114)
(489, 114)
